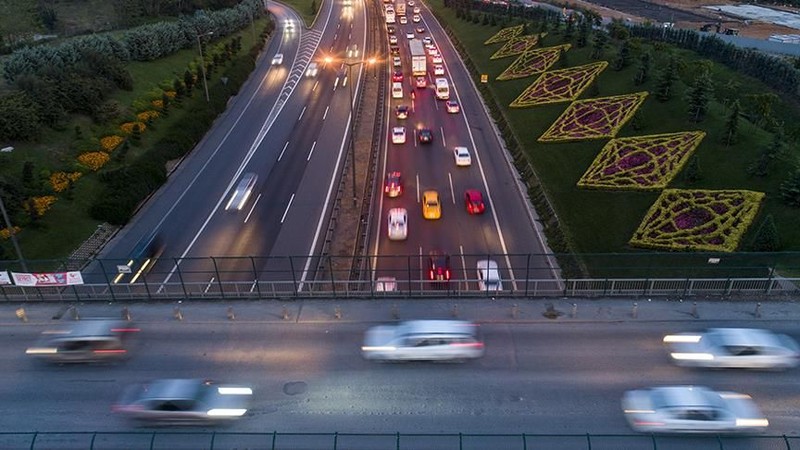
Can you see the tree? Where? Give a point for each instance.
(699, 95)
(761, 105)
(313, 6)
(666, 79)
(761, 167)
(599, 44)
(643, 71)
(19, 118)
(27, 174)
(693, 173)
(730, 134)
(583, 33)
(767, 238)
(569, 29)
(623, 57)
(790, 189)
(188, 80)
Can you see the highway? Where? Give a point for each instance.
(309, 377)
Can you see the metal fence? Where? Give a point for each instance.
(389, 441)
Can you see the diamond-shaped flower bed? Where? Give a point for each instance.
(700, 220)
(593, 118)
(559, 85)
(532, 62)
(641, 162)
(505, 34)
(516, 46)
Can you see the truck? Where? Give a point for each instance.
(401, 8)
(418, 58)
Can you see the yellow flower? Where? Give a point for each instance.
(127, 127)
(158, 103)
(171, 94)
(5, 233)
(94, 160)
(109, 143)
(59, 181)
(41, 204)
(147, 115)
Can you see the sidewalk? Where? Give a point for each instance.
(375, 311)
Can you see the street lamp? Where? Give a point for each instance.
(350, 65)
(203, 62)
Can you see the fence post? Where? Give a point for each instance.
(397, 441)
(274, 439)
(219, 278)
(588, 441)
(524, 442)
(460, 441)
(333, 280)
(769, 280)
(108, 281)
(91, 443)
(152, 440)
(527, 277)
(255, 276)
(294, 277)
(336, 433)
(785, 439)
(180, 277)
(213, 437)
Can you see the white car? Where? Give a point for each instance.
(410, 35)
(427, 40)
(277, 60)
(438, 70)
(393, 40)
(396, 62)
(242, 192)
(398, 224)
(742, 348)
(399, 135)
(452, 107)
(403, 20)
(432, 50)
(437, 59)
(423, 340)
(352, 51)
(416, 18)
(489, 276)
(462, 156)
(312, 70)
(417, 10)
(691, 409)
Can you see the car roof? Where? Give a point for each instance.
(90, 327)
(439, 327)
(745, 337)
(462, 149)
(474, 194)
(487, 264)
(683, 396)
(397, 212)
(398, 129)
(430, 194)
(173, 389)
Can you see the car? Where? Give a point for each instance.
(394, 184)
(183, 401)
(438, 266)
(438, 70)
(399, 135)
(432, 51)
(410, 35)
(473, 201)
(394, 50)
(311, 70)
(691, 409)
(277, 60)
(391, 30)
(425, 136)
(452, 107)
(431, 208)
(288, 25)
(420, 29)
(397, 89)
(398, 224)
(242, 192)
(397, 76)
(462, 156)
(411, 3)
(403, 20)
(401, 112)
(396, 62)
(416, 18)
(416, 10)
(488, 276)
(427, 40)
(423, 340)
(437, 59)
(733, 348)
(86, 341)
(386, 284)
(392, 40)
(421, 82)
(352, 51)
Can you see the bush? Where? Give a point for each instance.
(19, 118)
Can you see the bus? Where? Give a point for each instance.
(442, 89)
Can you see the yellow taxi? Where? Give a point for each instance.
(431, 206)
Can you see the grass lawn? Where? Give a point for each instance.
(307, 9)
(603, 221)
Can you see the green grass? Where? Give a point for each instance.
(304, 8)
(603, 221)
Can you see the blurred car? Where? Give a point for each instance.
(394, 184)
(352, 51)
(420, 29)
(423, 340)
(403, 20)
(143, 257)
(392, 40)
(399, 135)
(691, 409)
(437, 59)
(394, 50)
(277, 60)
(425, 136)
(416, 18)
(473, 200)
(85, 341)
(462, 156)
(397, 76)
(431, 208)
(288, 25)
(438, 266)
(311, 70)
(386, 284)
(396, 62)
(242, 192)
(427, 40)
(398, 224)
(410, 35)
(742, 348)
(421, 82)
(438, 69)
(488, 276)
(183, 401)
(416, 10)
(391, 30)
(411, 3)
(432, 51)
(452, 107)
(401, 112)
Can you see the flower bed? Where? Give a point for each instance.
(94, 160)
(641, 162)
(145, 116)
(41, 204)
(533, 62)
(699, 220)
(559, 85)
(517, 46)
(593, 118)
(60, 181)
(505, 34)
(109, 143)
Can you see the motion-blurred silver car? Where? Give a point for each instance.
(423, 340)
(691, 409)
(184, 401)
(242, 192)
(742, 348)
(85, 341)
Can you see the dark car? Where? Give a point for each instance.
(438, 266)
(473, 200)
(390, 30)
(425, 136)
(395, 50)
(394, 184)
(401, 112)
(397, 76)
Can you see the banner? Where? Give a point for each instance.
(47, 279)
(4, 278)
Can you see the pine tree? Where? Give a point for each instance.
(563, 61)
(790, 189)
(188, 80)
(666, 79)
(27, 174)
(732, 125)
(767, 238)
(583, 33)
(699, 95)
(761, 167)
(599, 44)
(693, 173)
(177, 85)
(643, 70)
(623, 57)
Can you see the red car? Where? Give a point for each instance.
(438, 266)
(474, 201)
(397, 76)
(394, 184)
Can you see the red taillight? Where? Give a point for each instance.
(118, 350)
(447, 274)
(430, 274)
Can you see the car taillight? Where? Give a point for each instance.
(430, 274)
(447, 274)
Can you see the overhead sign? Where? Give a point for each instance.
(123, 268)
(47, 279)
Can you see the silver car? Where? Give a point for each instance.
(183, 401)
(242, 192)
(741, 348)
(423, 340)
(691, 409)
(85, 341)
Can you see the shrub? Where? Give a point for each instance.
(94, 160)
(109, 143)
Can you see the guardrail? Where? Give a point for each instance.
(168, 440)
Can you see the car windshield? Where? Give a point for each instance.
(431, 202)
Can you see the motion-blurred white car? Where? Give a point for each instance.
(312, 70)
(399, 135)
(691, 409)
(396, 61)
(84, 341)
(423, 340)
(398, 224)
(437, 59)
(242, 192)
(462, 156)
(438, 69)
(742, 348)
(277, 60)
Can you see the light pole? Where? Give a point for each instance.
(203, 62)
(350, 65)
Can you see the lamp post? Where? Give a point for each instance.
(350, 65)
(203, 62)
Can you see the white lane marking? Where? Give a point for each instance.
(284, 150)
(312, 151)
(316, 83)
(452, 191)
(463, 264)
(326, 113)
(252, 208)
(291, 199)
(336, 83)
(208, 286)
(344, 81)
(301, 113)
(417, 187)
(253, 286)
(444, 141)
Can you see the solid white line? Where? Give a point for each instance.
(291, 199)
(252, 208)
(326, 113)
(417, 187)
(301, 113)
(312, 151)
(444, 141)
(452, 191)
(282, 151)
